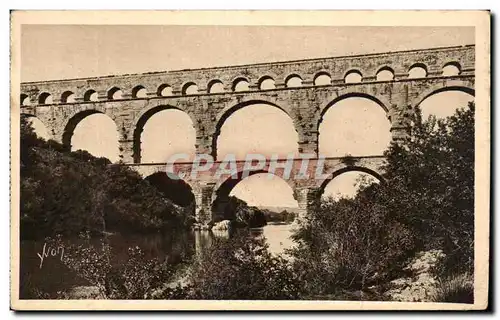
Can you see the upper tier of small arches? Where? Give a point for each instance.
(227, 79)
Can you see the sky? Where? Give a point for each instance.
(73, 51)
(60, 52)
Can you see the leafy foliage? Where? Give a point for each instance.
(282, 216)
(138, 277)
(242, 214)
(176, 190)
(236, 268)
(350, 248)
(430, 180)
(351, 245)
(426, 202)
(66, 193)
(242, 268)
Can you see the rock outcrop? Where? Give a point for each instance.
(222, 225)
(422, 285)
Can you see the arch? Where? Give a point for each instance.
(70, 126)
(444, 102)
(240, 84)
(24, 100)
(44, 98)
(358, 127)
(225, 114)
(229, 183)
(452, 68)
(164, 90)
(353, 76)
(139, 124)
(67, 97)
(222, 189)
(435, 90)
(345, 169)
(114, 93)
(322, 78)
(351, 95)
(266, 83)
(417, 70)
(293, 81)
(90, 95)
(215, 86)
(177, 190)
(385, 73)
(189, 88)
(139, 92)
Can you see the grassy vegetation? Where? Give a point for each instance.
(456, 288)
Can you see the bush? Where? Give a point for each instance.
(432, 177)
(351, 245)
(137, 277)
(242, 268)
(66, 193)
(283, 216)
(426, 203)
(236, 268)
(242, 214)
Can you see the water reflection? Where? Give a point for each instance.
(277, 236)
(203, 240)
(177, 249)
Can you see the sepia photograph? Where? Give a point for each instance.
(250, 160)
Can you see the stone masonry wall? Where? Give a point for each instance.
(305, 104)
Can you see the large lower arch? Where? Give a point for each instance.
(70, 127)
(352, 95)
(349, 169)
(354, 124)
(141, 123)
(75, 120)
(435, 90)
(443, 101)
(227, 113)
(457, 83)
(176, 190)
(223, 189)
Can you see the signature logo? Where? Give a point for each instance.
(52, 252)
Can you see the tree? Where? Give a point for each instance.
(242, 214)
(426, 202)
(430, 184)
(65, 192)
(350, 245)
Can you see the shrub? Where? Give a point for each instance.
(242, 268)
(426, 202)
(432, 177)
(242, 214)
(456, 289)
(351, 245)
(283, 216)
(66, 193)
(137, 277)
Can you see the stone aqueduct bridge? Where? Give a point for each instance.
(210, 95)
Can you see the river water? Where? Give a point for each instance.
(52, 276)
